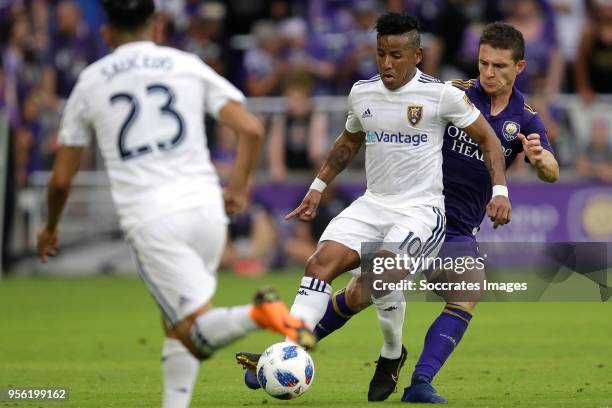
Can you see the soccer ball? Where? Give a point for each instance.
(285, 370)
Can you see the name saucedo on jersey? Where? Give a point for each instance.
(135, 63)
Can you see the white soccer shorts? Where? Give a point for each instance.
(178, 255)
(419, 230)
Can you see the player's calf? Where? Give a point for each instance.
(330, 260)
(442, 339)
(179, 371)
(341, 307)
(209, 328)
(183, 332)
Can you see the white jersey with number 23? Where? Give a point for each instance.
(146, 105)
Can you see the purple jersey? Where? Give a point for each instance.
(467, 183)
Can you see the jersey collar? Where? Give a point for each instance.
(408, 84)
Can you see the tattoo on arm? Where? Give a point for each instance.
(343, 151)
(493, 164)
(487, 160)
(339, 158)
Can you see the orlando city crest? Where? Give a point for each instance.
(510, 130)
(415, 113)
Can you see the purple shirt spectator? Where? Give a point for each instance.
(535, 20)
(69, 56)
(357, 61)
(304, 54)
(72, 48)
(262, 64)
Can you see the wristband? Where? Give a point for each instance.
(318, 185)
(500, 190)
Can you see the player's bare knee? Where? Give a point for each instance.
(316, 268)
(186, 331)
(355, 296)
(169, 330)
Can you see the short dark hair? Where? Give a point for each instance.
(391, 23)
(128, 15)
(505, 37)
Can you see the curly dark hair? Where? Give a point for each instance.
(128, 15)
(392, 23)
(504, 37)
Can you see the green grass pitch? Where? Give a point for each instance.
(101, 337)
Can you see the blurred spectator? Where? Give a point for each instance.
(176, 12)
(72, 48)
(534, 19)
(306, 234)
(29, 140)
(244, 14)
(279, 10)
(569, 13)
(298, 137)
(454, 28)
(39, 10)
(595, 160)
(359, 61)
(327, 16)
(264, 70)
(15, 56)
(304, 55)
(396, 6)
(594, 61)
(251, 243)
(205, 36)
(2, 88)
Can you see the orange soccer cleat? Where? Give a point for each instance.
(269, 312)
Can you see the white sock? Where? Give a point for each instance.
(222, 325)
(179, 369)
(311, 300)
(390, 310)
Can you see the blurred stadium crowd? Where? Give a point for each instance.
(301, 50)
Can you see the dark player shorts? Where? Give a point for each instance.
(458, 245)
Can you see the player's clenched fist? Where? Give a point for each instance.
(307, 210)
(499, 210)
(532, 147)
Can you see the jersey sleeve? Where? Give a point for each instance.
(456, 107)
(353, 125)
(536, 125)
(219, 91)
(75, 126)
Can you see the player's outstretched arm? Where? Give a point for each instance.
(544, 161)
(343, 151)
(250, 135)
(66, 165)
(498, 209)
